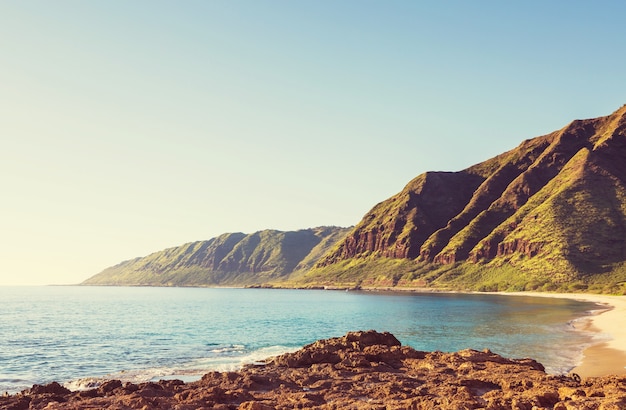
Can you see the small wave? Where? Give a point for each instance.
(86, 383)
(567, 359)
(228, 349)
(230, 362)
(261, 354)
(229, 358)
(15, 384)
(132, 376)
(570, 353)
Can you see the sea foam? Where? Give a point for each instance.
(225, 359)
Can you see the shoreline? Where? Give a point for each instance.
(606, 355)
(603, 357)
(606, 324)
(364, 369)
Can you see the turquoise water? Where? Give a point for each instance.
(82, 335)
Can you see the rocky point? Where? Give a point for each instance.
(361, 370)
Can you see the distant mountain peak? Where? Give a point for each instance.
(234, 259)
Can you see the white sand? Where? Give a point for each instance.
(609, 355)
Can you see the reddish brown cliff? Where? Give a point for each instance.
(531, 202)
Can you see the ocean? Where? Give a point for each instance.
(81, 336)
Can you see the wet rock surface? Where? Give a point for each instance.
(361, 370)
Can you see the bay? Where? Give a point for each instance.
(81, 336)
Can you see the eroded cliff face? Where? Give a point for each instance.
(560, 196)
(396, 228)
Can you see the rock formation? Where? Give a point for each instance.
(361, 370)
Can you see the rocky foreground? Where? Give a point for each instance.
(361, 370)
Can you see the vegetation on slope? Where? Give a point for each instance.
(548, 215)
(234, 259)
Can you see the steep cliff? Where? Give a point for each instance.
(552, 210)
(234, 259)
(549, 214)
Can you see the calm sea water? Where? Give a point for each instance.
(82, 335)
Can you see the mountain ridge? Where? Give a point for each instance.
(549, 214)
(530, 208)
(231, 259)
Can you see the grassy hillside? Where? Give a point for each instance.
(234, 259)
(547, 215)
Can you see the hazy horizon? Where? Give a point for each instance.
(130, 127)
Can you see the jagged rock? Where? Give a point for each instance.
(365, 370)
(52, 388)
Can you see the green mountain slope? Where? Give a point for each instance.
(549, 214)
(233, 259)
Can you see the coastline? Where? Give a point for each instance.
(364, 369)
(602, 355)
(606, 356)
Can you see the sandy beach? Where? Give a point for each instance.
(608, 356)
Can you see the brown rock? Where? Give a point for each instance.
(52, 388)
(364, 370)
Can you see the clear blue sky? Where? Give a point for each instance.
(132, 126)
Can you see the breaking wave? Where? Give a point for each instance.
(227, 358)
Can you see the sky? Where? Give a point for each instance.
(127, 127)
